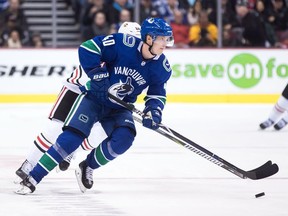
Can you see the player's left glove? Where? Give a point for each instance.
(152, 117)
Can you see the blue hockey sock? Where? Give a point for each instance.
(120, 141)
(66, 143)
(46, 163)
(100, 156)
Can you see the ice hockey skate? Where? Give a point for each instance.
(23, 171)
(266, 124)
(84, 175)
(64, 165)
(280, 124)
(26, 187)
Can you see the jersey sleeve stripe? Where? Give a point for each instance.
(160, 98)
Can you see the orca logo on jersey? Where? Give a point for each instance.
(122, 89)
(151, 20)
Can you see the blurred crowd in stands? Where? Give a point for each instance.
(245, 23)
(14, 29)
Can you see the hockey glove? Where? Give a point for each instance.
(98, 87)
(152, 117)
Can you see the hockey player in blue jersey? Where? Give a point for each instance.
(67, 96)
(132, 65)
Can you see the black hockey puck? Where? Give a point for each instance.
(260, 195)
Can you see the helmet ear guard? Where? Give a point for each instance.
(157, 27)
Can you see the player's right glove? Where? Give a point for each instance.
(98, 86)
(152, 117)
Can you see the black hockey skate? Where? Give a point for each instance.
(266, 124)
(20, 173)
(23, 171)
(84, 175)
(64, 165)
(280, 124)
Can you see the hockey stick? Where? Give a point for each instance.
(264, 171)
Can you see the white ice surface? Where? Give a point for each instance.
(156, 177)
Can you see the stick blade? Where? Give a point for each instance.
(263, 171)
(264, 166)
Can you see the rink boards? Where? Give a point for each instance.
(199, 75)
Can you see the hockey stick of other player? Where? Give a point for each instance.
(264, 171)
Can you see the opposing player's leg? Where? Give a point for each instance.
(122, 132)
(52, 130)
(41, 144)
(283, 121)
(77, 126)
(66, 143)
(279, 108)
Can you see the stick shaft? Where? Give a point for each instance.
(263, 171)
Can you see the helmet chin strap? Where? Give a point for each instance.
(150, 50)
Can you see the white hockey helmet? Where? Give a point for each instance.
(131, 28)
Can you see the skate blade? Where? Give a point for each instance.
(23, 190)
(78, 174)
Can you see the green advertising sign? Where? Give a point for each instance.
(243, 70)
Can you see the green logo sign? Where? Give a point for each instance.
(245, 70)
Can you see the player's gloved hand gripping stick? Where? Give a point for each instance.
(264, 171)
(152, 117)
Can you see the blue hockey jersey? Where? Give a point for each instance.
(129, 72)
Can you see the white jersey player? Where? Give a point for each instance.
(59, 112)
(280, 109)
